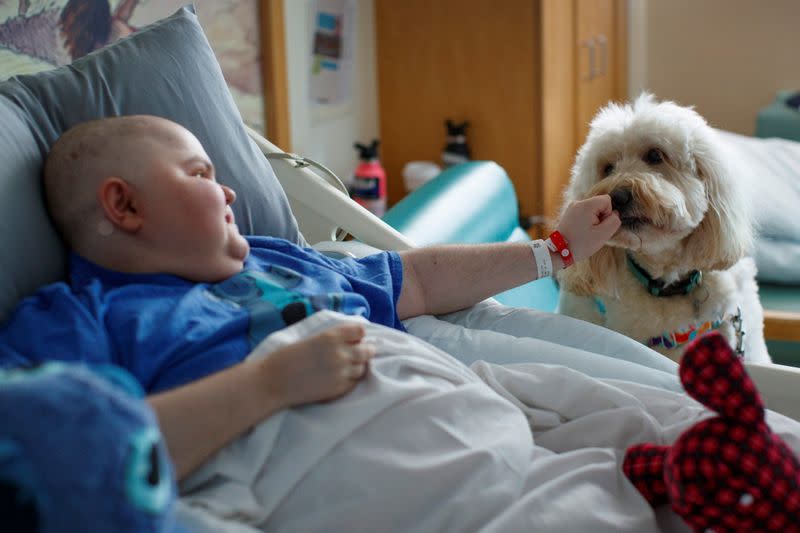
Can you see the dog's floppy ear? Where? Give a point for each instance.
(726, 231)
(596, 275)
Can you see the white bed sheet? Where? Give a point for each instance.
(425, 444)
(500, 334)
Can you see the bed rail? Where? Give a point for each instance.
(322, 210)
(779, 386)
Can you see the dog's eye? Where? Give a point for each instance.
(608, 169)
(653, 156)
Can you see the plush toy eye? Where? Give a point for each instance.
(20, 492)
(608, 169)
(154, 474)
(148, 483)
(19, 512)
(653, 156)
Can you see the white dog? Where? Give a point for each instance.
(677, 266)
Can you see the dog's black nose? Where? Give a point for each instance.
(621, 199)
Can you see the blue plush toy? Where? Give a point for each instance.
(81, 451)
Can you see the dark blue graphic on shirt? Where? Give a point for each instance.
(271, 301)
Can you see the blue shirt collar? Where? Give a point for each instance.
(82, 272)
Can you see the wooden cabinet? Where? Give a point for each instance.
(594, 28)
(515, 69)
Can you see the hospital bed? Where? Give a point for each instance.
(184, 84)
(306, 189)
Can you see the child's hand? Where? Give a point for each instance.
(588, 224)
(320, 368)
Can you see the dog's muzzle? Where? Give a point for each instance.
(622, 202)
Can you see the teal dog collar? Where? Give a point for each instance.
(658, 288)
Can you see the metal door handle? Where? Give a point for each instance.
(603, 43)
(589, 43)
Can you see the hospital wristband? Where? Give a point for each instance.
(557, 244)
(544, 264)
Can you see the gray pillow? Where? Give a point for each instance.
(166, 69)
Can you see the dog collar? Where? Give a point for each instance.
(684, 336)
(680, 337)
(658, 288)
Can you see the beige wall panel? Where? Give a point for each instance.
(726, 57)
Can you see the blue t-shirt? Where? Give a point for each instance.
(168, 331)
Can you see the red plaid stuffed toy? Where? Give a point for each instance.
(729, 472)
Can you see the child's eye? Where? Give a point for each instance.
(200, 174)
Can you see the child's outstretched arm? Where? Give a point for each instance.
(199, 418)
(588, 224)
(442, 279)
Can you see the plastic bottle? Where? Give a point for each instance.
(369, 180)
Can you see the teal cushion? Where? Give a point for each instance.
(469, 203)
(785, 298)
(784, 352)
(166, 69)
(780, 297)
(541, 294)
(778, 119)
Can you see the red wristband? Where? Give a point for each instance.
(561, 247)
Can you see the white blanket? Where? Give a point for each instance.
(500, 334)
(426, 444)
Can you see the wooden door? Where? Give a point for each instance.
(558, 106)
(596, 62)
(572, 88)
(274, 77)
(473, 60)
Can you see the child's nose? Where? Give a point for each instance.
(230, 194)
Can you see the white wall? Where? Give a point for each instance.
(324, 135)
(728, 58)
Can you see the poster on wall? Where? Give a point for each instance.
(332, 23)
(37, 35)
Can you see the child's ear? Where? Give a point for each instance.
(119, 203)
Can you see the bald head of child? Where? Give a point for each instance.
(139, 194)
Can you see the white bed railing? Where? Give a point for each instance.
(322, 210)
(779, 386)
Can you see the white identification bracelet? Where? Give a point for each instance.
(544, 264)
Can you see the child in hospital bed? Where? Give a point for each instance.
(163, 284)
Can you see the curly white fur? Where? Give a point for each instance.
(667, 174)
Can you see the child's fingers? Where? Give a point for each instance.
(354, 371)
(603, 207)
(610, 224)
(599, 204)
(362, 353)
(359, 358)
(350, 333)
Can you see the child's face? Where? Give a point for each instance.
(186, 214)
